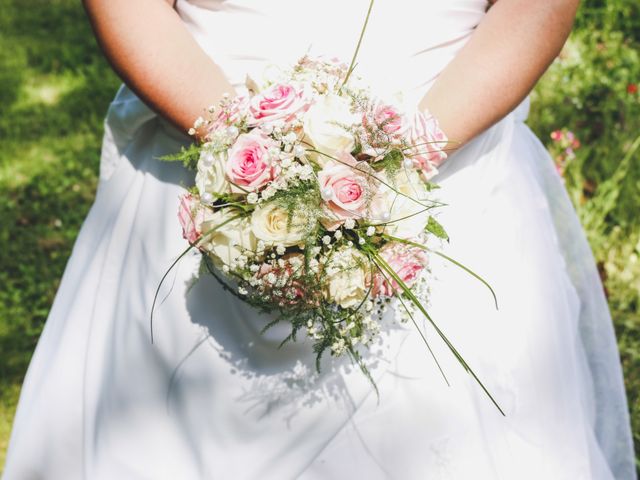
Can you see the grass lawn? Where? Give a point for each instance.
(55, 88)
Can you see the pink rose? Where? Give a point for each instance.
(385, 117)
(426, 141)
(383, 124)
(344, 191)
(406, 261)
(232, 112)
(292, 292)
(191, 214)
(249, 166)
(279, 102)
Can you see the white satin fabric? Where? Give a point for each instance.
(212, 398)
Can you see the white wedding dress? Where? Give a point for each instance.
(212, 398)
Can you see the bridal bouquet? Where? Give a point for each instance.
(313, 200)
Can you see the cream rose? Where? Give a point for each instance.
(324, 125)
(230, 240)
(347, 274)
(210, 178)
(270, 224)
(405, 211)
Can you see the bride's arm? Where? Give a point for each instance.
(150, 48)
(506, 55)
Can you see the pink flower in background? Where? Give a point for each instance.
(563, 148)
(249, 165)
(279, 102)
(344, 191)
(191, 215)
(408, 263)
(556, 135)
(426, 143)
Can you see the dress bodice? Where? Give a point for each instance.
(406, 45)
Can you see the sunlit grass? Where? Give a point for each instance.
(49, 89)
(7, 411)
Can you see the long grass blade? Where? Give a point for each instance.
(446, 257)
(444, 338)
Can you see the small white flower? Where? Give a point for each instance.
(338, 234)
(206, 198)
(274, 152)
(361, 241)
(299, 151)
(371, 230)
(338, 346)
(280, 249)
(198, 123)
(306, 172)
(252, 198)
(285, 162)
(268, 192)
(326, 239)
(349, 223)
(242, 291)
(290, 137)
(232, 132)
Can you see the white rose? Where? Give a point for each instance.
(210, 177)
(407, 217)
(347, 274)
(324, 125)
(269, 223)
(229, 240)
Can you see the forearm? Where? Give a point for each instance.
(506, 55)
(150, 48)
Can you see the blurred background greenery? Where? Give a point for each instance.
(55, 87)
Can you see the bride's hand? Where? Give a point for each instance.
(150, 48)
(504, 58)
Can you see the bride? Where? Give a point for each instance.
(212, 397)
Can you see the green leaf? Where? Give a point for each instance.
(434, 227)
(394, 157)
(391, 162)
(188, 156)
